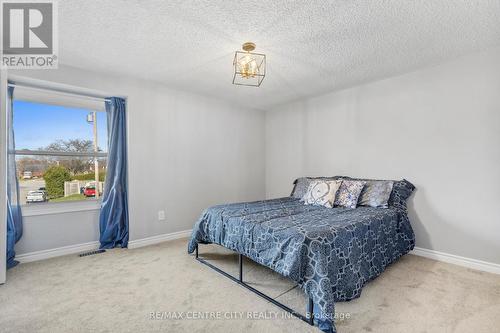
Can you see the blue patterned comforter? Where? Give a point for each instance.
(329, 252)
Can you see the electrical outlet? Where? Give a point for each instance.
(161, 215)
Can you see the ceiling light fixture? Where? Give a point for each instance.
(249, 68)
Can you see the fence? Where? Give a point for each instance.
(75, 186)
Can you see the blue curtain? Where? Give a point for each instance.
(14, 216)
(113, 219)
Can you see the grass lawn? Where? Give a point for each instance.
(73, 197)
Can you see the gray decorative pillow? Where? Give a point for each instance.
(376, 193)
(348, 193)
(322, 192)
(302, 184)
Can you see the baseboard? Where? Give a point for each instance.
(133, 244)
(458, 260)
(57, 252)
(73, 249)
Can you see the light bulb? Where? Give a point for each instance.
(248, 66)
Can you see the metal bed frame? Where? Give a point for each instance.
(308, 318)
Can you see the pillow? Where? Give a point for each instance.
(348, 193)
(300, 188)
(376, 193)
(401, 191)
(322, 192)
(302, 184)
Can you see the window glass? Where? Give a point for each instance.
(42, 126)
(59, 152)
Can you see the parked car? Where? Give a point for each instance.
(36, 196)
(89, 191)
(42, 189)
(27, 175)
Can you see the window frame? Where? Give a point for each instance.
(51, 208)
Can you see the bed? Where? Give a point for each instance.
(331, 253)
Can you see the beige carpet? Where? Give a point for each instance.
(117, 291)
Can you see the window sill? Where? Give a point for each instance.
(60, 207)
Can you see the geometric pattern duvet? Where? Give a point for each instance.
(331, 253)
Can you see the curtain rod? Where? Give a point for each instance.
(61, 92)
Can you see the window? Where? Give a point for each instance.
(61, 151)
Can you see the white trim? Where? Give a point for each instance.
(57, 252)
(457, 260)
(60, 92)
(134, 244)
(53, 85)
(72, 249)
(51, 96)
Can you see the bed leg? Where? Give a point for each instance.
(240, 261)
(196, 251)
(308, 318)
(310, 311)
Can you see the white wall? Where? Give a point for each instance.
(438, 127)
(51, 231)
(186, 152)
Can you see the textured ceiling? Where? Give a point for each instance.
(312, 47)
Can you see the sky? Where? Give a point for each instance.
(38, 125)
